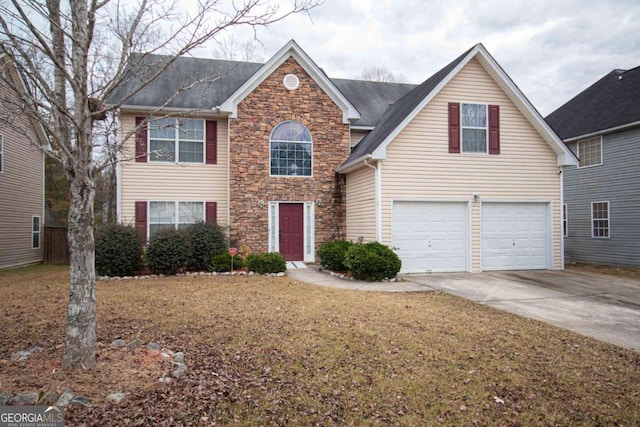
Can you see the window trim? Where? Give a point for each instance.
(271, 140)
(599, 139)
(486, 129)
(1, 153)
(176, 213)
(607, 219)
(176, 140)
(34, 232)
(565, 220)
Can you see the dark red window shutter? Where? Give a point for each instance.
(212, 142)
(494, 129)
(212, 212)
(141, 140)
(454, 127)
(141, 220)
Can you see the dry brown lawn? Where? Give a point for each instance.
(272, 351)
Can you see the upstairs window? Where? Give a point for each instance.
(474, 128)
(590, 152)
(473, 125)
(291, 150)
(171, 138)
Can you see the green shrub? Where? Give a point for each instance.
(168, 251)
(118, 250)
(372, 262)
(332, 254)
(222, 262)
(206, 240)
(271, 262)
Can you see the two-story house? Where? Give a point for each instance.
(601, 125)
(21, 176)
(459, 173)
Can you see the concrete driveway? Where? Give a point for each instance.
(600, 306)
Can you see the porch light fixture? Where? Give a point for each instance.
(319, 202)
(476, 197)
(261, 203)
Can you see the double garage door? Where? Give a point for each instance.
(435, 236)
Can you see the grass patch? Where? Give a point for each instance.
(272, 351)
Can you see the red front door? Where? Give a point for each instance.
(291, 231)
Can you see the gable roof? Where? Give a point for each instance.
(291, 49)
(610, 103)
(401, 113)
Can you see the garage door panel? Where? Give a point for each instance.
(514, 236)
(430, 236)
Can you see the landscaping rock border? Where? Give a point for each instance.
(192, 273)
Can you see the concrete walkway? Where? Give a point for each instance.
(599, 306)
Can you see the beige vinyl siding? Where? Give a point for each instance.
(361, 205)
(21, 193)
(357, 135)
(170, 181)
(525, 170)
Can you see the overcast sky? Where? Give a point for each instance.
(552, 49)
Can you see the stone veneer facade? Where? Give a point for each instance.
(264, 108)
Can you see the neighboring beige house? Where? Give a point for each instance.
(21, 178)
(459, 173)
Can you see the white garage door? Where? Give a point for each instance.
(430, 236)
(515, 236)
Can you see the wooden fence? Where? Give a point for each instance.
(56, 248)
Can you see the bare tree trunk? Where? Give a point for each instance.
(81, 315)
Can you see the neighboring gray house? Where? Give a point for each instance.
(601, 126)
(21, 177)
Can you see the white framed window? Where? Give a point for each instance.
(35, 232)
(1, 154)
(474, 128)
(291, 150)
(176, 139)
(590, 152)
(600, 220)
(565, 220)
(173, 214)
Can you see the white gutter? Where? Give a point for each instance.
(378, 187)
(208, 112)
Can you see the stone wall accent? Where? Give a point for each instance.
(263, 109)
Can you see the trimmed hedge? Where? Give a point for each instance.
(271, 262)
(221, 263)
(205, 240)
(118, 250)
(372, 262)
(168, 251)
(332, 254)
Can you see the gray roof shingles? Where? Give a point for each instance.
(214, 80)
(612, 101)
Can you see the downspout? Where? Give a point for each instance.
(378, 189)
(562, 219)
(228, 174)
(119, 172)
